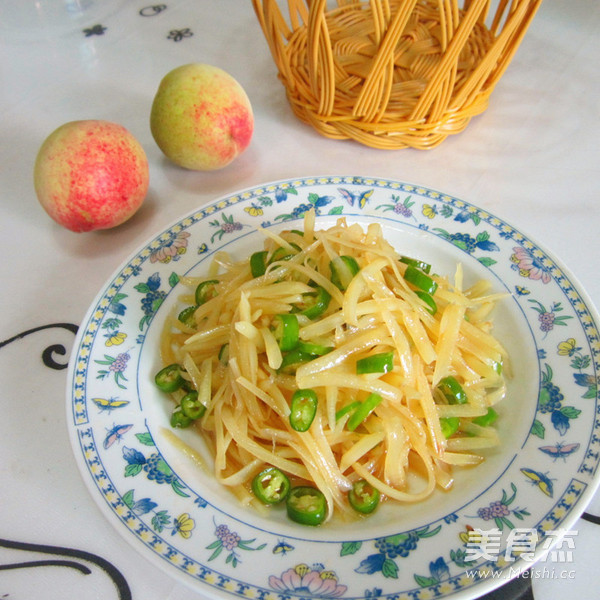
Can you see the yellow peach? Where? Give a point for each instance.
(201, 117)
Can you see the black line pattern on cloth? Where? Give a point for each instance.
(47, 563)
(153, 10)
(94, 30)
(121, 585)
(49, 352)
(590, 518)
(179, 34)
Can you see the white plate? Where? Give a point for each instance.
(536, 484)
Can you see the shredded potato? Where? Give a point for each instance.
(231, 354)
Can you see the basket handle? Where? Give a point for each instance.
(321, 67)
(376, 90)
(277, 32)
(475, 9)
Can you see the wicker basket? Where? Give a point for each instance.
(392, 73)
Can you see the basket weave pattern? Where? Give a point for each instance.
(392, 73)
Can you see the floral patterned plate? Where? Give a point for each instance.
(523, 498)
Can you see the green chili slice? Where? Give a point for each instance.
(306, 505)
(377, 363)
(343, 269)
(206, 290)
(179, 420)
(303, 409)
(187, 386)
(486, 420)
(258, 263)
(317, 303)
(420, 280)
(224, 354)
(419, 264)
(365, 408)
(346, 409)
(186, 316)
(363, 497)
(286, 331)
(314, 349)
(449, 425)
(452, 390)
(431, 306)
(271, 486)
(292, 359)
(191, 407)
(282, 253)
(169, 379)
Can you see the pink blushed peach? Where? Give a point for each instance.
(201, 117)
(91, 174)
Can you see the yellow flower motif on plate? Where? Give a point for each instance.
(429, 211)
(184, 525)
(567, 348)
(115, 340)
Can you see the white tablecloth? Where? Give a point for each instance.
(532, 159)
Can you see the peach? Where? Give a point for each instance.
(90, 175)
(201, 117)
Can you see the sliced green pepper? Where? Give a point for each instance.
(190, 406)
(429, 301)
(206, 290)
(258, 263)
(420, 280)
(364, 410)
(377, 363)
(306, 505)
(419, 264)
(282, 253)
(179, 420)
(452, 390)
(363, 497)
(343, 269)
(186, 316)
(271, 486)
(486, 420)
(169, 379)
(303, 409)
(286, 331)
(320, 302)
(224, 354)
(346, 409)
(449, 425)
(292, 359)
(314, 349)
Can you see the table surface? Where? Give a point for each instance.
(531, 159)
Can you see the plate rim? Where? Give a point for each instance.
(73, 428)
